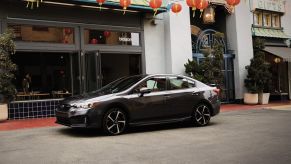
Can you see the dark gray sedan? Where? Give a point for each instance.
(141, 100)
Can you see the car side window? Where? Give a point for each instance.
(155, 84)
(179, 83)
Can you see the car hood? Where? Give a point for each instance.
(87, 98)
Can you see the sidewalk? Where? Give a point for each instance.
(50, 122)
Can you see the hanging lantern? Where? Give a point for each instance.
(94, 41)
(209, 15)
(192, 4)
(176, 7)
(106, 34)
(100, 2)
(124, 4)
(155, 4)
(233, 3)
(68, 31)
(201, 5)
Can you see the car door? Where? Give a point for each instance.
(182, 96)
(150, 106)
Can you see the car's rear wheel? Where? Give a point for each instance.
(114, 121)
(201, 115)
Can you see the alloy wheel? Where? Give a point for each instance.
(202, 115)
(115, 122)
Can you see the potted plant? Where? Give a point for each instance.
(258, 77)
(7, 69)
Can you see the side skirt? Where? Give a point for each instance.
(160, 121)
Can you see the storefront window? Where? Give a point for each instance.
(111, 37)
(267, 19)
(258, 18)
(44, 34)
(43, 75)
(275, 20)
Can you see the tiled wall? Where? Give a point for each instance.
(32, 109)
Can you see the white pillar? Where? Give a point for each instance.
(239, 36)
(154, 44)
(178, 47)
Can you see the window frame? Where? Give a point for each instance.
(263, 12)
(134, 89)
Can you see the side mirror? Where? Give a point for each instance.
(144, 90)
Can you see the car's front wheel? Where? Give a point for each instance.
(201, 115)
(114, 121)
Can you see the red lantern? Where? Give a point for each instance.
(192, 4)
(176, 7)
(201, 5)
(233, 2)
(124, 4)
(155, 4)
(94, 41)
(106, 33)
(68, 31)
(100, 2)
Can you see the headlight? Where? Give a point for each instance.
(86, 105)
(83, 106)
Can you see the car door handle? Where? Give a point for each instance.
(167, 96)
(195, 93)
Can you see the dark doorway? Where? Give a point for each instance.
(114, 66)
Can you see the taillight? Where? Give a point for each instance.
(217, 91)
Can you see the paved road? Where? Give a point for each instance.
(246, 137)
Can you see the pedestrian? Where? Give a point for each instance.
(26, 83)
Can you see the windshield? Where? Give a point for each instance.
(120, 85)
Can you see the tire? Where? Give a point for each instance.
(201, 115)
(114, 121)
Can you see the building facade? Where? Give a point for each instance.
(75, 47)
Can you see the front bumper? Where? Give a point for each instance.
(84, 119)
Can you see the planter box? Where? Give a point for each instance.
(251, 98)
(264, 98)
(3, 112)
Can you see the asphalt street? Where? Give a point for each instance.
(235, 137)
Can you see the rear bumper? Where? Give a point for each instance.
(216, 108)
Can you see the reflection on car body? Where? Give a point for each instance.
(141, 100)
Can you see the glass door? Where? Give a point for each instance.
(92, 77)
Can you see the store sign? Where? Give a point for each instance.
(124, 39)
(138, 2)
(270, 5)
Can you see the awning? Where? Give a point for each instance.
(282, 52)
(271, 33)
(136, 5)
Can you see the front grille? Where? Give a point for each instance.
(64, 107)
(64, 121)
(78, 120)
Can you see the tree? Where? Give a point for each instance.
(259, 76)
(7, 67)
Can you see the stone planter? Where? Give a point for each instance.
(264, 98)
(251, 98)
(3, 112)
